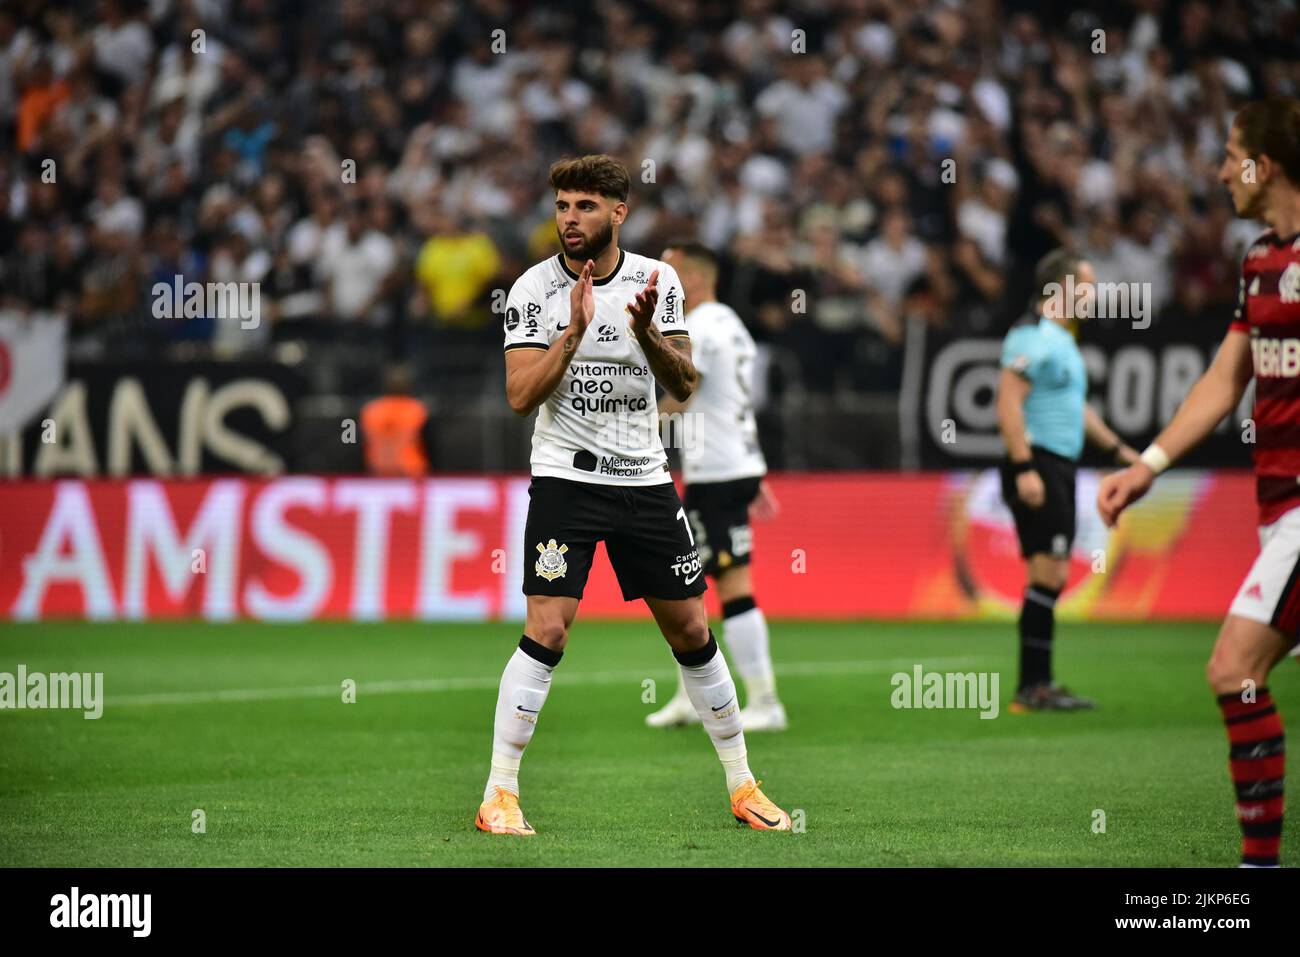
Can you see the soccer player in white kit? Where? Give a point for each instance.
(724, 469)
(588, 333)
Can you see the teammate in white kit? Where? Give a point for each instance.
(600, 474)
(724, 468)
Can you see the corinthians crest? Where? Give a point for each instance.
(551, 564)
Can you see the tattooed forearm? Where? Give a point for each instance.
(670, 361)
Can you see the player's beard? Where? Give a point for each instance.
(593, 247)
(1253, 206)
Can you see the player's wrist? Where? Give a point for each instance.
(646, 333)
(573, 335)
(1021, 466)
(1154, 458)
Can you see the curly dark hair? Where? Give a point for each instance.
(596, 173)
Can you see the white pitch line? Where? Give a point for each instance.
(793, 670)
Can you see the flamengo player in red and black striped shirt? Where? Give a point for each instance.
(1262, 172)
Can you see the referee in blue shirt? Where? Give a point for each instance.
(1044, 417)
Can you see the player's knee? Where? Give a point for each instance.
(1050, 576)
(1224, 673)
(691, 634)
(549, 633)
(733, 585)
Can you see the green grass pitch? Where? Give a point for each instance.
(247, 723)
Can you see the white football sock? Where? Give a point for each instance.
(524, 686)
(680, 693)
(746, 638)
(504, 774)
(735, 764)
(708, 684)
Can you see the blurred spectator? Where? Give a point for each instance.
(43, 94)
(982, 217)
(894, 259)
(111, 287)
(359, 266)
(168, 258)
(804, 105)
(17, 46)
(123, 44)
(976, 294)
(113, 211)
(454, 268)
(393, 428)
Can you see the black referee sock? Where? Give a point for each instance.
(1037, 628)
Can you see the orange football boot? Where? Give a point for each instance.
(751, 806)
(501, 815)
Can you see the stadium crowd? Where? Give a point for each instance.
(379, 166)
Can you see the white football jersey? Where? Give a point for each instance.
(721, 444)
(601, 424)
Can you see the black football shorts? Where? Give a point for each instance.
(644, 529)
(719, 514)
(1048, 529)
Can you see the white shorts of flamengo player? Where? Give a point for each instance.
(1270, 592)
